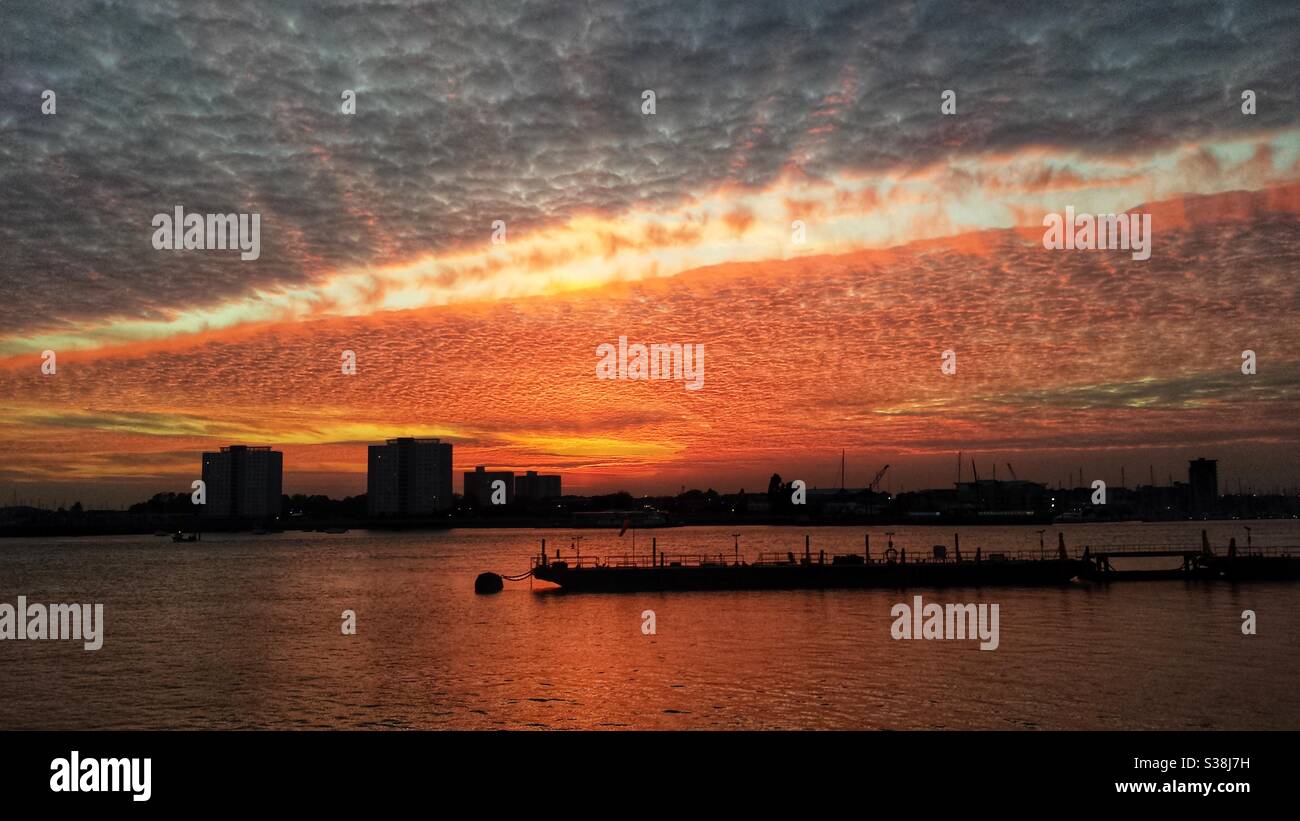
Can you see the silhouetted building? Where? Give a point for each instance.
(478, 485)
(1163, 502)
(533, 486)
(1203, 483)
(408, 477)
(243, 481)
(937, 500)
(1003, 496)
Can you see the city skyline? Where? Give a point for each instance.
(1199, 479)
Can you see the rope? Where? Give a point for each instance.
(518, 578)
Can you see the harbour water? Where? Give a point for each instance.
(243, 631)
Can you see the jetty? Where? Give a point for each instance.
(894, 568)
(805, 570)
(1251, 564)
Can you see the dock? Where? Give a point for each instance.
(809, 570)
(1251, 564)
(816, 570)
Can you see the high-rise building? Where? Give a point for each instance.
(531, 486)
(478, 485)
(409, 477)
(1203, 485)
(243, 481)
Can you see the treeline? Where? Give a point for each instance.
(299, 504)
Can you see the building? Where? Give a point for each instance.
(1203, 485)
(533, 487)
(478, 485)
(408, 477)
(243, 481)
(1016, 496)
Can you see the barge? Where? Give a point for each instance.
(808, 571)
(895, 569)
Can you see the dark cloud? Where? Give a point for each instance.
(474, 111)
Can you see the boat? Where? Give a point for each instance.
(179, 536)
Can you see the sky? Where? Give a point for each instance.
(922, 233)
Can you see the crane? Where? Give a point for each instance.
(874, 485)
(1013, 472)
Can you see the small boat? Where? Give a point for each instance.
(178, 536)
(333, 530)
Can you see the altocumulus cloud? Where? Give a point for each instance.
(529, 112)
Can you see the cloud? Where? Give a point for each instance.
(475, 111)
(1057, 352)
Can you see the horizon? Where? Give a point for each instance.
(1066, 484)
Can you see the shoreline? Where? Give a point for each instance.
(162, 530)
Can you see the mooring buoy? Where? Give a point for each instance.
(488, 583)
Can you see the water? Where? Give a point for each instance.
(244, 631)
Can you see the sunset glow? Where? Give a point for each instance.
(914, 246)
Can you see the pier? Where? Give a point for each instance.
(1252, 564)
(894, 568)
(728, 570)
